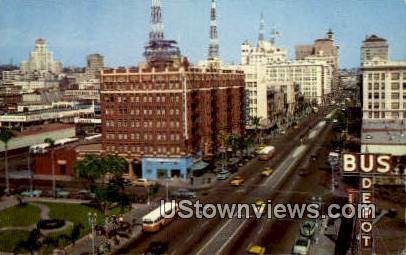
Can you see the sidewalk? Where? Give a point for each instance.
(84, 245)
(321, 243)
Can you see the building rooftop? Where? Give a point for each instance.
(384, 132)
(374, 38)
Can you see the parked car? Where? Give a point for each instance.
(156, 248)
(256, 249)
(141, 182)
(184, 193)
(301, 246)
(237, 181)
(308, 228)
(223, 174)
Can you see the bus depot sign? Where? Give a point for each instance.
(366, 166)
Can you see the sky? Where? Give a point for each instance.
(118, 29)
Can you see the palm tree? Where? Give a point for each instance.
(5, 136)
(256, 122)
(51, 143)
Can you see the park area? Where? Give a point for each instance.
(44, 226)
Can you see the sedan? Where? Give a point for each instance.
(267, 171)
(237, 181)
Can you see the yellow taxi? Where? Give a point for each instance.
(237, 181)
(267, 171)
(256, 249)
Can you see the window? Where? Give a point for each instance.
(395, 95)
(395, 76)
(395, 86)
(395, 106)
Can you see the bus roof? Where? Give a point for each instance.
(156, 213)
(267, 149)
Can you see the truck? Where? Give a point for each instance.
(266, 153)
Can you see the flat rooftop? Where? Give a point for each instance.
(383, 132)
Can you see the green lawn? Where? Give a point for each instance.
(75, 213)
(19, 216)
(10, 238)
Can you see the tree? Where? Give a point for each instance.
(51, 143)
(32, 243)
(74, 235)
(256, 122)
(115, 165)
(5, 136)
(89, 168)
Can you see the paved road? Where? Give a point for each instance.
(186, 236)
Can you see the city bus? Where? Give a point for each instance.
(266, 153)
(155, 220)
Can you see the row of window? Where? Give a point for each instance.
(394, 95)
(161, 111)
(174, 98)
(144, 137)
(145, 124)
(394, 106)
(381, 76)
(144, 149)
(394, 86)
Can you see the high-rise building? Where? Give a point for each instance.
(384, 89)
(322, 49)
(95, 63)
(374, 46)
(165, 111)
(41, 60)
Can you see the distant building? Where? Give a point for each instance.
(322, 49)
(313, 77)
(41, 60)
(95, 63)
(374, 46)
(384, 89)
(264, 53)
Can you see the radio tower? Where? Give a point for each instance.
(158, 51)
(261, 28)
(157, 32)
(213, 41)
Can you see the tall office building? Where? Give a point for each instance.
(384, 89)
(165, 111)
(41, 60)
(374, 46)
(95, 63)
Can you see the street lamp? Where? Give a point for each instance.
(92, 221)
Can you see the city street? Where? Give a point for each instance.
(223, 236)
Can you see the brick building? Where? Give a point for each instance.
(169, 113)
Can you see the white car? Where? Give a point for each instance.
(141, 182)
(302, 246)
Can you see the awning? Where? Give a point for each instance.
(199, 166)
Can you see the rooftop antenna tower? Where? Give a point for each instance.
(261, 35)
(158, 51)
(213, 35)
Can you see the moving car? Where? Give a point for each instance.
(184, 193)
(302, 246)
(256, 249)
(266, 153)
(157, 248)
(141, 182)
(237, 181)
(223, 174)
(267, 171)
(308, 228)
(260, 204)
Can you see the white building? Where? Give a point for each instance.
(264, 53)
(314, 77)
(384, 89)
(372, 47)
(41, 60)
